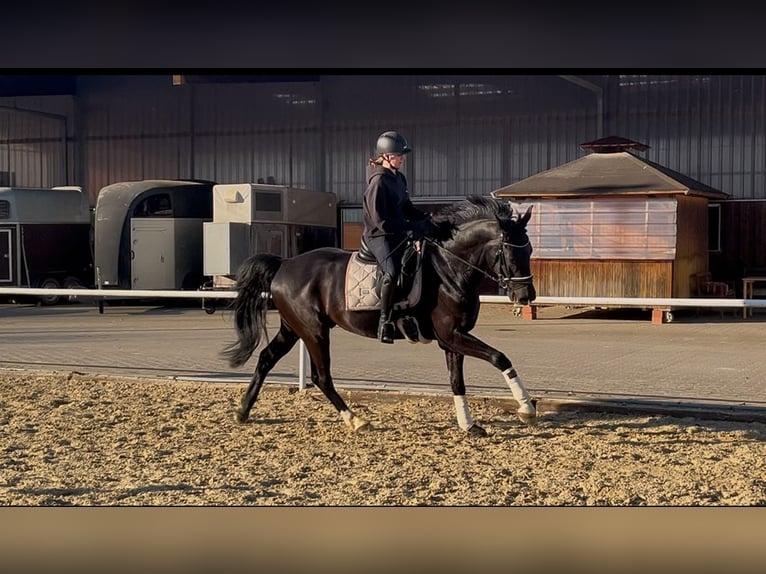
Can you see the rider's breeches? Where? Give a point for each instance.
(383, 247)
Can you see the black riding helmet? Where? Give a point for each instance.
(391, 142)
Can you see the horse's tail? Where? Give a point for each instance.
(253, 285)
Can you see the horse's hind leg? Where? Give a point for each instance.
(319, 351)
(277, 348)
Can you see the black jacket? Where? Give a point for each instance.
(387, 206)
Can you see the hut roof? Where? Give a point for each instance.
(608, 174)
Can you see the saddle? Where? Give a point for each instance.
(363, 287)
(363, 280)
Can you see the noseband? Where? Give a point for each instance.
(510, 282)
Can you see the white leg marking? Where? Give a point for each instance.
(347, 417)
(352, 421)
(464, 419)
(519, 393)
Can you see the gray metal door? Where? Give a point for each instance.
(152, 254)
(270, 238)
(6, 256)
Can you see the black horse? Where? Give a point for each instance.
(485, 239)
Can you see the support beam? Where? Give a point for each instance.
(599, 92)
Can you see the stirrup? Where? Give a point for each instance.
(386, 332)
(409, 328)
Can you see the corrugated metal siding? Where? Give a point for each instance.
(243, 133)
(471, 133)
(708, 127)
(33, 147)
(132, 135)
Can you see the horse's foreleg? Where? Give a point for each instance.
(526, 411)
(466, 344)
(319, 351)
(277, 348)
(457, 382)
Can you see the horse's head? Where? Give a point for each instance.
(490, 234)
(512, 263)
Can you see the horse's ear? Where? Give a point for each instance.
(524, 219)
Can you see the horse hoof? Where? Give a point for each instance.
(528, 419)
(476, 431)
(240, 417)
(527, 412)
(361, 425)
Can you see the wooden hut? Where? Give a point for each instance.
(612, 224)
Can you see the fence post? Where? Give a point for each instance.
(302, 360)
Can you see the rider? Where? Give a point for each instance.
(388, 218)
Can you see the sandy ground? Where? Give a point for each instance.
(91, 440)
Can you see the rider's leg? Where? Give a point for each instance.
(386, 326)
(387, 252)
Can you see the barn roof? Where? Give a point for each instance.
(608, 174)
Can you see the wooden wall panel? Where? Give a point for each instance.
(351, 235)
(691, 243)
(571, 278)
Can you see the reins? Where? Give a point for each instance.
(499, 279)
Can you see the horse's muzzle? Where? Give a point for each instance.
(521, 291)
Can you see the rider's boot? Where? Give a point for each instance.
(386, 328)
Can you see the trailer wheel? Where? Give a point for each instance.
(72, 283)
(209, 309)
(48, 300)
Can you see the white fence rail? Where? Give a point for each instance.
(120, 293)
(655, 303)
(648, 302)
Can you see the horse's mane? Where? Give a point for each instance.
(473, 208)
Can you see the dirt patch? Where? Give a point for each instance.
(72, 439)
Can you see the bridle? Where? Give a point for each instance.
(500, 262)
(510, 282)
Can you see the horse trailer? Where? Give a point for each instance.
(45, 239)
(148, 234)
(264, 218)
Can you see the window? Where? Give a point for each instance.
(268, 201)
(607, 228)
(155, 206)
(714, 227)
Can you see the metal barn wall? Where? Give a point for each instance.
(711, 128)
(246, 132)
(34, 148)
(743, 241)
(227, 133)
(132, 131)
(471, 133)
